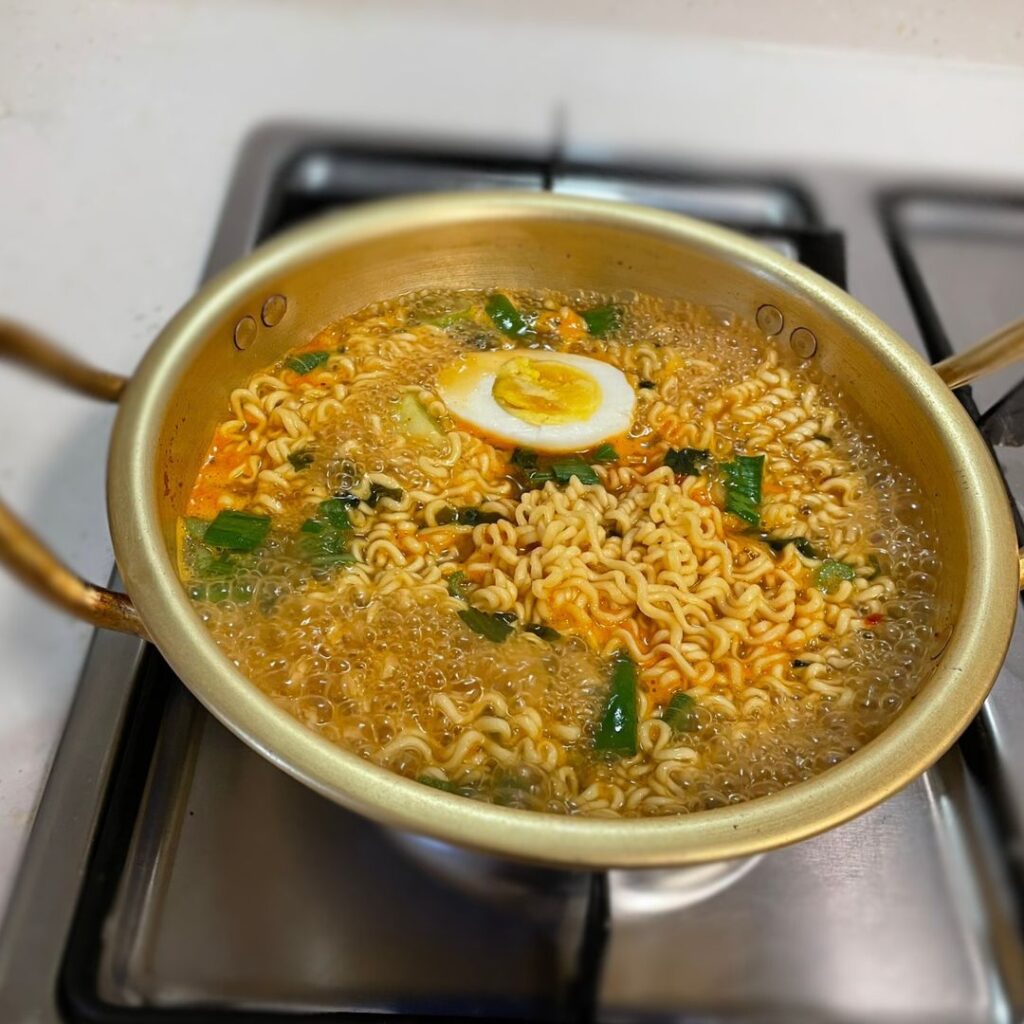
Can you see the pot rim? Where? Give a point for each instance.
(910, 744)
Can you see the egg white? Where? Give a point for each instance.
(466, 388)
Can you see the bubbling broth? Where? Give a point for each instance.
(563, 553)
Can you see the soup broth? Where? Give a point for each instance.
(563, 553)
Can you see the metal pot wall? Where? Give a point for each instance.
(252, 313)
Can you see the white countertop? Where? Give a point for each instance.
(120, 121)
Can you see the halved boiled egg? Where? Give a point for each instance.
(548, 401)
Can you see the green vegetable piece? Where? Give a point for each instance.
(799, 663)
(306, 362)
(539, 477)
(195, 527)
(806, 548)
(831, 573)
(207, 564)
(237, 531)
(445, 785)
(802, 544)
(466, 516)
(301, 460)
(379, 491)
(680, 713)
(458, 585)
(325, 549)
(743, 487)
(335, 512)
(606, 453)
(689, 461)
(646, 385)
(524, 458)
(313, 526)
(616, 732)
(347, 499)
(496, 628)
(476, 516)
(506, 317)
(565, 469)
(544, 632)
(414, 420)
(602, 320)
(450, 319)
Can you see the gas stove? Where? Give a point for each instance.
(173, 875)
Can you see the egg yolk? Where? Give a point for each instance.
(543, 391)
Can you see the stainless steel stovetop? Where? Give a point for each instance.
(174, 876)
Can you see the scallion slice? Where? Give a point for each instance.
(743, 476)
(237, 531)
(496, 628)
(679, 714)
(831, 573)
(616, 732)
(565, 469)
(306, 362)
(506, 317)
(602, 320)
(688, 461)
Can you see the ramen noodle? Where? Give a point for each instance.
(563, 553)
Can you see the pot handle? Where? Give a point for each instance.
(1001, 349)
(21, 551)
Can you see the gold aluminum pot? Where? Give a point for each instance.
(285, 291)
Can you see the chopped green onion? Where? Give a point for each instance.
(195, 527)
(679, 714)
(237, 531)
(743, 487)
(830, 574)
(448, 319)
(566, 469)
(802, 544)
(602, 320)
(414, 420)
(335, 512)
(799, 663)
(458, 585)
(435, 783)
(493, 627)
(524, 458)
(466, 516)
(606, 453)
(539, 477)
(616, 732)
(646, 385)
(306, 362)
(379, 491)
(539, 471)
(300, 460)
(313, 526)
(688, 461)
(544, 632)
(324, 549)
(207, 564)
(506, 317)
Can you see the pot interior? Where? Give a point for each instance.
(335, 266)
